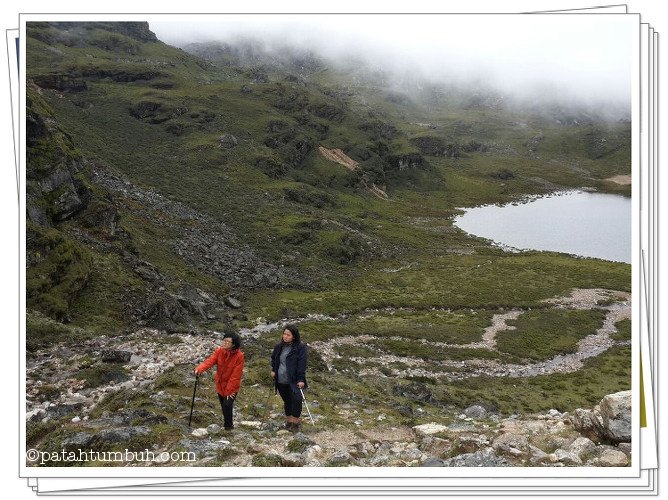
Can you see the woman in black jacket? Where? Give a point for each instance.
(288, 369)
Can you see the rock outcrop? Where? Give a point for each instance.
(609, 421)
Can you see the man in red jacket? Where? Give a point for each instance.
(229, 361)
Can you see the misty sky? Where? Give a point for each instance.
(586, 56)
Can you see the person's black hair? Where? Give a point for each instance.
(236, 340)
(294, 331)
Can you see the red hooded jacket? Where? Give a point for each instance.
(229, 367)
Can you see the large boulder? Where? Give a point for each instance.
(610, 420)
(616, 414)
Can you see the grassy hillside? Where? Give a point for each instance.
(198, 178)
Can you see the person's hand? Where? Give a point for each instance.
(231, 396)
(273, 374)
(196, 372)
(300, 385)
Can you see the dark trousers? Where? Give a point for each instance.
(291, 401)
(227, 404)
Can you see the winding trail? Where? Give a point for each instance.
(152, 356)
(591, 346)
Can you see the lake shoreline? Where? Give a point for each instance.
(574, 222)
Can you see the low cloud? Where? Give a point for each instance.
(563, 57)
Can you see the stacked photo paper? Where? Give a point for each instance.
(443, 225)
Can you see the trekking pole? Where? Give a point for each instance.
(306, 404)
(192, 405)
(266, 405)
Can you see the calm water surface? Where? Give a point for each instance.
(576, 222)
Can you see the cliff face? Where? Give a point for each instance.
(56, 187)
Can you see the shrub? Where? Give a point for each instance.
(96, 376)
(318, 199)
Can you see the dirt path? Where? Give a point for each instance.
(623, 180)
(618, 308)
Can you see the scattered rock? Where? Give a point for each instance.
(482, 458)
(582, 446)
(213, 429)
(513, 444)
(538, 456)
(613, 458)
(433, 462)
(299, 443)
(36, 415)
(625, 448)
(228, 141)
(436, 446)
(64, 409)
(79, 440)
(293, 460)
(312, 453)
(475, 411)
(254, 424)
(340, 458)
(232, 302)
(429, 429)
(200, 433)
(116, 356)
(406, 411)
(121, 435)
(415, 392)
(565, 457)
(471, 444)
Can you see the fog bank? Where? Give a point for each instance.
(566, 57)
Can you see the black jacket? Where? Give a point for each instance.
(295, 363)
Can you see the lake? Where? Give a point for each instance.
(573, 222)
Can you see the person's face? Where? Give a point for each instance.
(227, 343)
(287, 336)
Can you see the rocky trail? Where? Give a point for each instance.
(146, 355)
(588, 347)
(475, 437)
